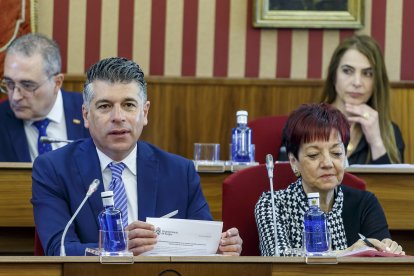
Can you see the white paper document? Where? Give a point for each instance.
(184, 237)
(383, 166)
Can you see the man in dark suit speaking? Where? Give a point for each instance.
(147, 181)
(36, 106)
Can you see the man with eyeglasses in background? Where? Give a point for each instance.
(36, 106)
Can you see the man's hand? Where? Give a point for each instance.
(142, 237)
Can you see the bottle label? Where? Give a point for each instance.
(242, 119)
(241, 144)
(108, 201)
(313, 201)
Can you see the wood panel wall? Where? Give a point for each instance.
(189, 110)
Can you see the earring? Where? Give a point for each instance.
(346, 163)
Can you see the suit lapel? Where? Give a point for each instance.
(87, 161)
(17, 137)
(147, 178)
(74, 125)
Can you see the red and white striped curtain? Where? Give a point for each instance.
(215, 38)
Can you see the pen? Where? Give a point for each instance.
(169, 215)
(365, 240)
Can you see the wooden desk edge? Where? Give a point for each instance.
(380, 170)
(15, 165)
(74, 259)
(28, 165)
(202, 259)
(299, 260)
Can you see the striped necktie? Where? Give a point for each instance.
(41, 127)
(117, 186)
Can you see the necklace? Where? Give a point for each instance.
(356, 135)
(350, 147)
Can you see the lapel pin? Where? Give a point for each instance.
(76, 121)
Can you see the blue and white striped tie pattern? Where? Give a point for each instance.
(41, 127)
(117, 186)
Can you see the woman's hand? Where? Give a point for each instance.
(367, 117)
(386, 245)
(230, 243)
(393, 246)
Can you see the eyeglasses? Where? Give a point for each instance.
(26, 87)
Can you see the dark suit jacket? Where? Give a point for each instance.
(13, 142)
(166, 182)
(360, 154)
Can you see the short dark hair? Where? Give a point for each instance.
(311, 122)
(113, 70)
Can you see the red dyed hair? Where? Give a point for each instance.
(313, 122)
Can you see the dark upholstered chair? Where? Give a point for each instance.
(267, 136)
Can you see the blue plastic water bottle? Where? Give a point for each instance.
(110, 220)
(241, 139)
(316, 230)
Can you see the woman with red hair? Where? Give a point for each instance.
(316, 136)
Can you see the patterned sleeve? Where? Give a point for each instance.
(265, 225)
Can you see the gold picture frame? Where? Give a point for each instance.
(265, 15)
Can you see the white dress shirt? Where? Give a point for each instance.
(55, 129)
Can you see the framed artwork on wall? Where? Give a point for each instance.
(332, 14)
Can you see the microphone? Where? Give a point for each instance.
(269, 166)
(92, 188)
(46, 139)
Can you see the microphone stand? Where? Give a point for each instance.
(270, 166)
(92, 188)
(49, 140)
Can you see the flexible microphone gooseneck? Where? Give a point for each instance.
(92, 188)
(269, 166)
(46, 139)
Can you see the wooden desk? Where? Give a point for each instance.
(201, 266)
(16, 212)
(394, 188)
(16, 191)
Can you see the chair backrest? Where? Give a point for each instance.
(3, 99)
(267, 136)
(242, 190)
(38, 249)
